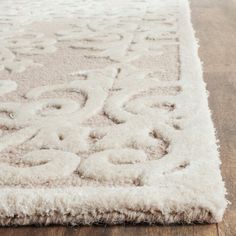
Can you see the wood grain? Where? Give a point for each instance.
(215, 25)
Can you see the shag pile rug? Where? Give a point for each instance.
(104, 115)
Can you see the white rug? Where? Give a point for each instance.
(104, 115)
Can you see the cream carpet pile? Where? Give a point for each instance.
(104, 115)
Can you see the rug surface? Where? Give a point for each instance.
(104, 115)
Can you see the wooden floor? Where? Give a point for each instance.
(215, 25)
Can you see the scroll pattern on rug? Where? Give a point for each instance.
(112, 125)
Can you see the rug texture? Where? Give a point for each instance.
(104, 115)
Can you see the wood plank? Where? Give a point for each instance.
(135, 230)
(36, 231)
(129, 230)
(205, 230)
(85, 231)
(132, 230)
